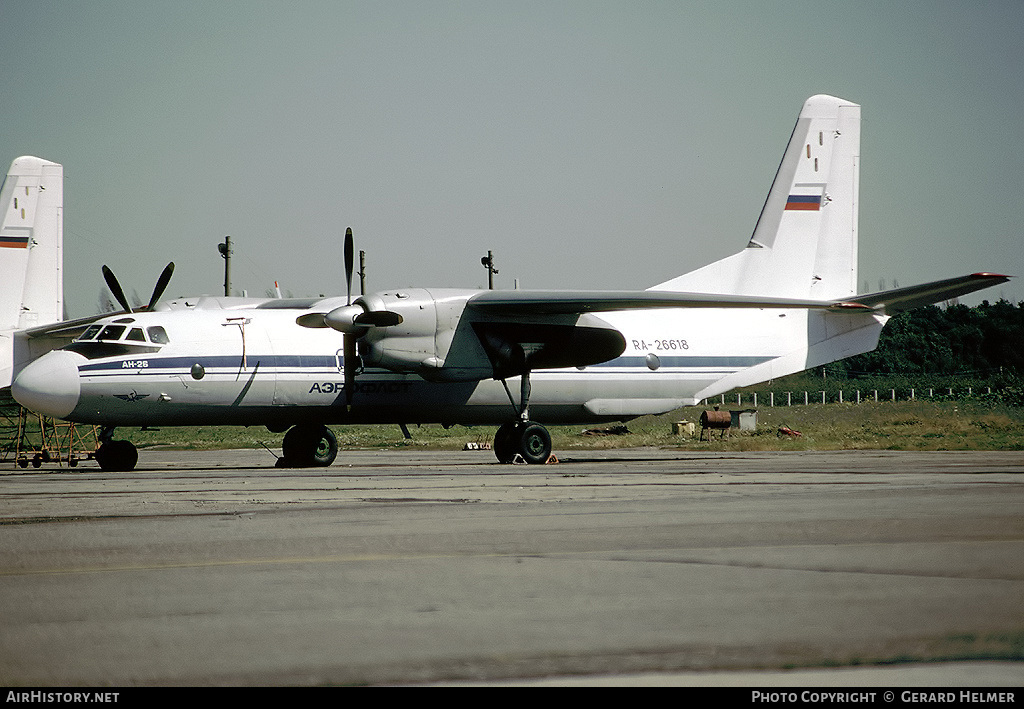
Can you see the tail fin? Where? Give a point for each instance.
(805, 241)
(31, 254)
(31, 244)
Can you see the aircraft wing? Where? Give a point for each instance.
(900, 299)
(542, 302)
(538, 302)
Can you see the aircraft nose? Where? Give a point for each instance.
(50, 385)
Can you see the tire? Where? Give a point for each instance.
(534, 443)
(310, 446)
(117, 456)
(506, 443)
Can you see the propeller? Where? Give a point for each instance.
(158, 290)
(352, 320)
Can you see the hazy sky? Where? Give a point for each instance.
(587, 144)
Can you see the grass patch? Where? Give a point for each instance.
(1002, 647)
(960, 647)
(904, 425)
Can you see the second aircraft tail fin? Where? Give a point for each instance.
(31, 254)
(31, 244)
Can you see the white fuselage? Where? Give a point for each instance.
(251, 366)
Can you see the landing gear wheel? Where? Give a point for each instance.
(117, 456)
(506, 443)
(534, 443)
(530, 440)
(309, 446)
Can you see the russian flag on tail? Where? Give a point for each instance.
(805, 198)
(13, 242)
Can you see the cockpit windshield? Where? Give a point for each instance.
(111, 332)
(90, 332)
(122, 337)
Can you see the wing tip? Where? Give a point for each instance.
(989, 274)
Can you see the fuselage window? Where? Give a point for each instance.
(158, 335)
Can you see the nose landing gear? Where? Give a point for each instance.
(115, 456)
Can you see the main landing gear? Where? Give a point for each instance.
(524, 438)
(308, 446)
(527, 439)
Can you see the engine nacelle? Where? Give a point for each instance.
(422, 342)
(442, 339)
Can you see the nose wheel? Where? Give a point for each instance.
(117, 456)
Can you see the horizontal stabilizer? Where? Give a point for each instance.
(899, 299)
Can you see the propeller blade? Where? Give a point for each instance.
(350, 367)
(349, 263)
(115, 289)
(378, 318)
(161, 285)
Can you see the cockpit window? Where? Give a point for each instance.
(114, 340)
(158, 335)
(90, 332)
(112, 332)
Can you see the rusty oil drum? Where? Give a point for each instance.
(715, 419)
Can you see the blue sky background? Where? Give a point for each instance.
(588, 144)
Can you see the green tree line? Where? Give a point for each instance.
(987, 339)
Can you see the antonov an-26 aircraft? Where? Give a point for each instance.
(517, 359)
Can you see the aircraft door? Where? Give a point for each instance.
(252, 364)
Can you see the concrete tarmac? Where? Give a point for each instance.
(635, 566)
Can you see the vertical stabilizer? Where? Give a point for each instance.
(31, 256)
(805, 241)
(31, 244)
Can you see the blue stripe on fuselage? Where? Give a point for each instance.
(300, 362)
(319, 363)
